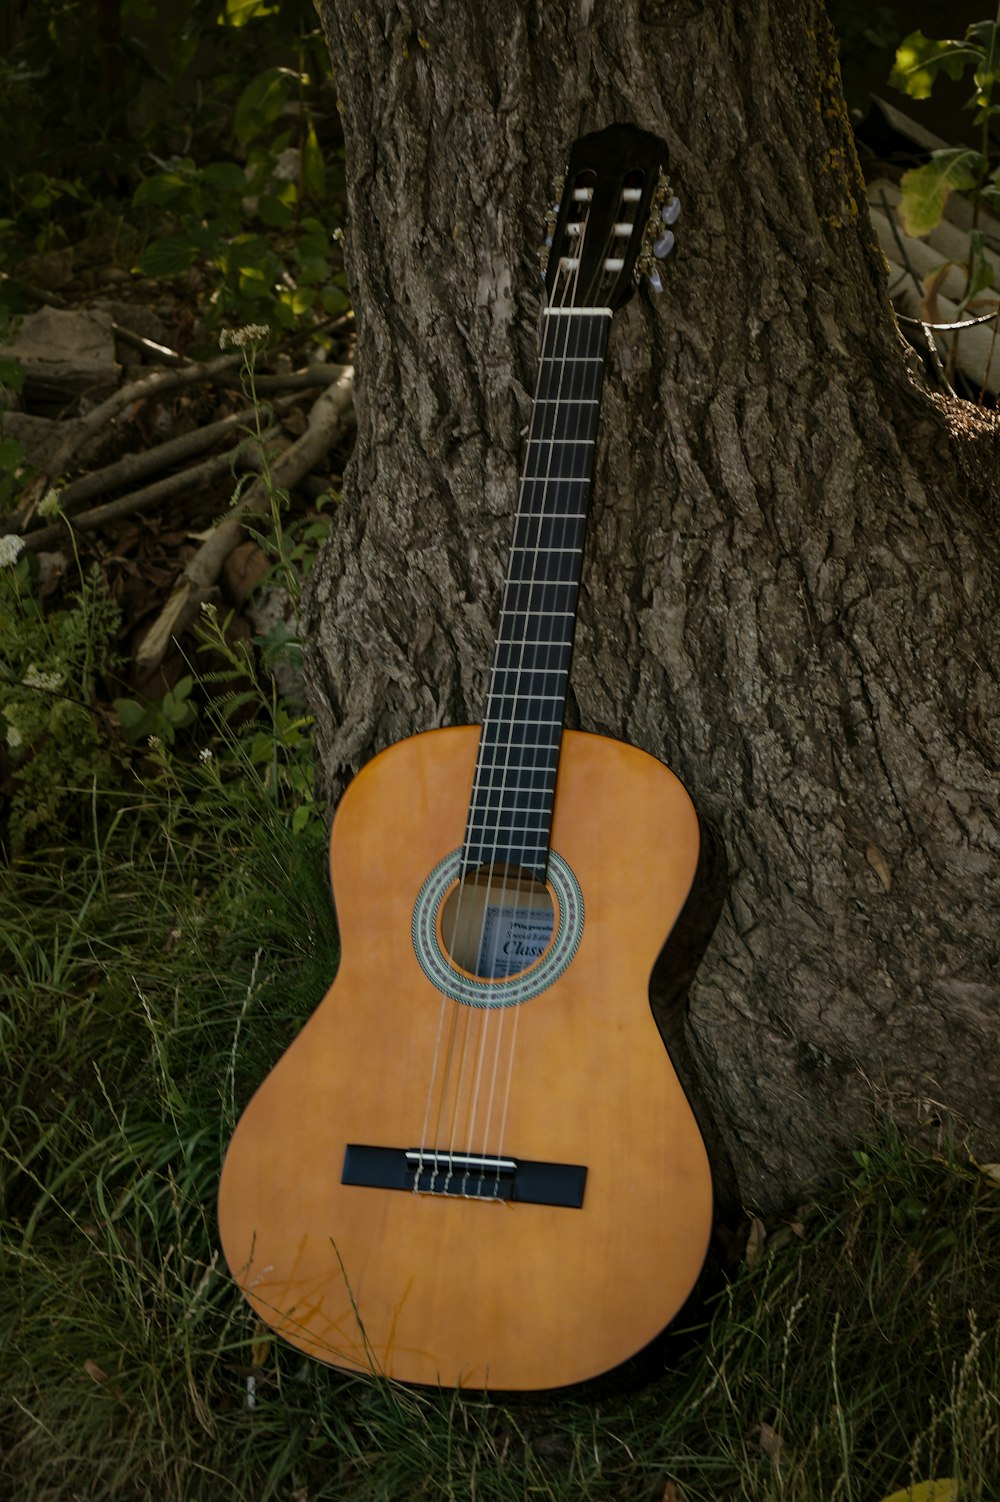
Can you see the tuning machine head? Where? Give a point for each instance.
(659, 237)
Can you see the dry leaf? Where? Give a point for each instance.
(672, 1493)
(771, 1441)
(260, 1344)
(927, 1491)
(243, 570)
(94, 1371)
(756, 1237)
(990, 1172)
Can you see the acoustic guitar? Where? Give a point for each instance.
(475, 1166)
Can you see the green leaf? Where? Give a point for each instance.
(313, 166)
(919, 60)
(167, 257)
(228, 177)
(981, 272)
(987, 39)
(312, 270)
(135, 719)
(239, 12)
(262, 101)
(334, 300)
(164, 188)
(273, 212)
(925, 189)
(253, 283)
(298, 300)
(11, 374)
(11, 455)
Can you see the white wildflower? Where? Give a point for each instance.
(205, 755)
(11, 547)
(14, 737)
(154, 743)
(50, 506)
(250, 334)
(47, 682)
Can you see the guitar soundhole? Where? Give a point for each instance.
(497, 923)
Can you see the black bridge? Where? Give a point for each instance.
(468, 1175)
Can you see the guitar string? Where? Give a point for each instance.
(460, 1014)
(600, 345)
(496, 793)
(564, 337)
(509, 689)
(565, 356)
(482, 1026)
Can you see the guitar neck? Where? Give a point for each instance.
(511, 809)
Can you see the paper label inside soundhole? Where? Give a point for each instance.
(513, 938)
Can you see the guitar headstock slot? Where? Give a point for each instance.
(600, 238)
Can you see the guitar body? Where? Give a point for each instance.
(440, 1288)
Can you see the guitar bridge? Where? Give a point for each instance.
(477, 1176)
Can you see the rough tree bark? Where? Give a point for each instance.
(791, 589)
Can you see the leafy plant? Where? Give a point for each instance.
(920, 62)
(54, 742)
(248, 219)
(160, 718)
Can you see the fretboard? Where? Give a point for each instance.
(510, 815)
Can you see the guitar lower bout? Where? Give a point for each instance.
(509, 1194)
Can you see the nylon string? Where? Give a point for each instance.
(466, 1020)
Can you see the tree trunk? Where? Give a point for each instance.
(791, 588)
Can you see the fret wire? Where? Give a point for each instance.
(525, 547)
(529, 771)
(534, 698)
(543, 720)
(530, 745)
(537, 845)
(553, 672)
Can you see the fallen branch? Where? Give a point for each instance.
(149, 462)
(178, 450)
(327, 421)
(83, 428)
(197, 476)
(80, 430)
(161, 353)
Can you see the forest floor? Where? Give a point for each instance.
(162, 446)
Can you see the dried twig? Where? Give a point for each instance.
(148, 462)
(198, 475)
(327, 421)
(157, 384)
(177, 450)
(159, 352)
(947, 328)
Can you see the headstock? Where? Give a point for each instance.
(612, 226)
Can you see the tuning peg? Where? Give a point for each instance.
(671, 211)
(664, 245)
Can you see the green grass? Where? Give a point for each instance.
(152, 975)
